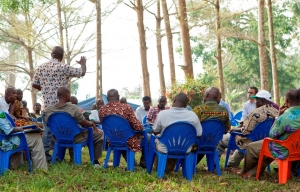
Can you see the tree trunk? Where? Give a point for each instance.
(31, 74)
(273, 54)
(169, 40)
(159, 51)
(61, 38)
(262, 47)
(11, 77)
(67, 51)
(219, 50)
(143, 47)
(99, 52)
(185, 40)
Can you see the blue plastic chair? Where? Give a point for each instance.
(260, 131)
(5, 156)
(64, 127)
(178, 138)
(118, 130)
(238, 116)
(39, 119)
(233, 121)
(146, 126)
(213, 131)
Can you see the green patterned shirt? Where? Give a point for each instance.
(9, 143)
(286, 124)
(212, 110)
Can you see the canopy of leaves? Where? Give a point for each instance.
(19, 5)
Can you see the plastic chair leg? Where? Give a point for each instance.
(261, 157)
(269, 168)
(4, 164)
(195, 163)
(188, 165)
(130, 160)
(217, 163)
(283, 171)
(178, 163)
(298, 170)
(210, 162)
(107, 158)
(227, 155)
(28, 160)
(150, 161)
(77, 154)
(61, 153)
(54, 153)
(117, 158)
(162, 161)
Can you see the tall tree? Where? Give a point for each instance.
(99, 51)
(169, 40)
(273, 53)
(264, 82)
(185, 40)
(219, 48)
(139, 8)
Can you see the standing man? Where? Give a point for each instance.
(48, 77)
(142, 111)
(162, 101)
(250, 105)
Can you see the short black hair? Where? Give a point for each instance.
(255, 89)
(146, 98)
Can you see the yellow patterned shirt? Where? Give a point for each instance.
(212, 110)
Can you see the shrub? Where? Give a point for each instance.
(192, 87)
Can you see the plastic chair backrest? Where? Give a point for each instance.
(144, 120)
(117, 129)
(238, 115)
(178, 137)
(63, 126)
(261, 130)
(213, 131)
(10, 119)
(292, 143)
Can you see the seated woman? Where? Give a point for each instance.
(36, 111)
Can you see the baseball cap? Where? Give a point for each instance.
(262, 94)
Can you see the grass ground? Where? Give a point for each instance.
(66, 176)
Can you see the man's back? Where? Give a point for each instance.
(68, 107)
(52, 75)
(212, 110)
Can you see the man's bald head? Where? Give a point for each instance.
(74, 100)
(57, 53)
(10, 95)
(99, 103)
(63, 92)
(113, 95)
(212, 94)
(181, 100)
(292, 97)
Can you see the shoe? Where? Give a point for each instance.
(143, 164)
(236, 171)
(247, 176)
(97, 165)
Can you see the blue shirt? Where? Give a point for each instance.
(247, 109)
(10, 143)
(224, 104)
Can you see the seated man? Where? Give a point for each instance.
(115, 107)
(36, 111)
(151, 117)
(264, 110)
(210, 109)
(178, 112)
(34, 140)
(250, 105)
(94, 117)
(65, 105)
(143, 110)
(286, 124)
(123, 100)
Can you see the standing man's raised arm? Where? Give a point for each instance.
(82, 62)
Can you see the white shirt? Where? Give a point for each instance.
(174, 114)
(247, 109)
(94, 115)
(3, 105)
(140, 113)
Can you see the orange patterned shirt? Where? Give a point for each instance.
(125, 111)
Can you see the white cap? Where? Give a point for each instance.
(263, 94)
